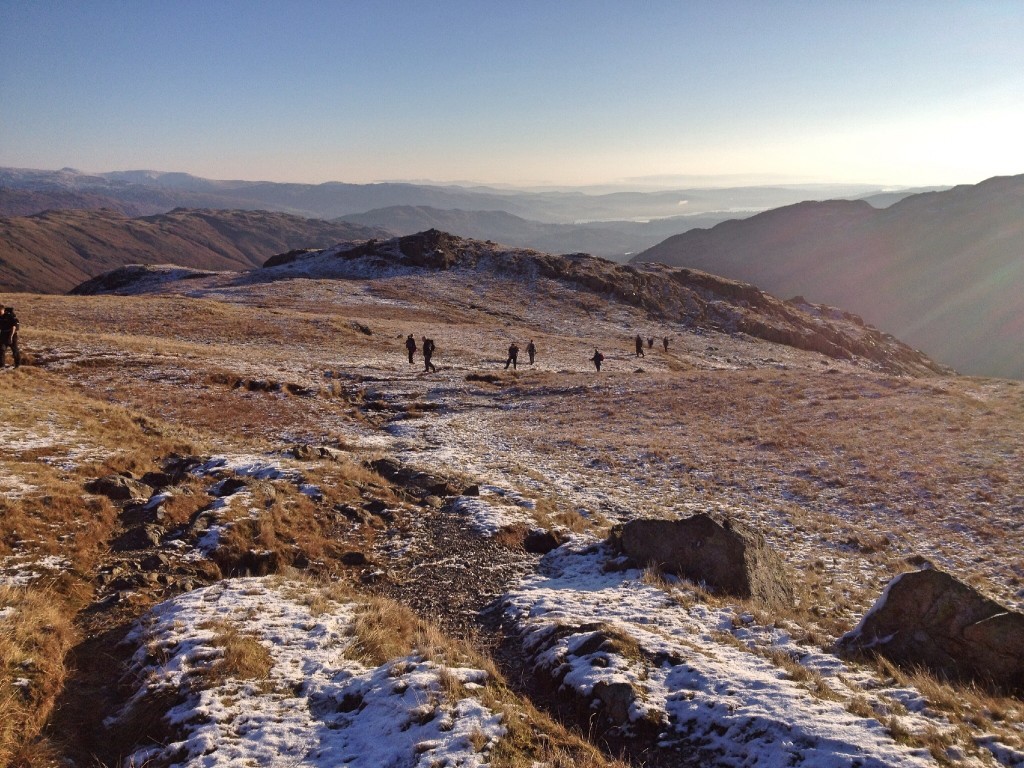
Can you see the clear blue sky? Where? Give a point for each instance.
(893, 92)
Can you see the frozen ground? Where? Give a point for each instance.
(809, 450)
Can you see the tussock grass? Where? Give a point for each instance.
(245, 657)
(36, 634)
(385, 630)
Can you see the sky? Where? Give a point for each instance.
(903, 93)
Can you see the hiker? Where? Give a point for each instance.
(513, 356)
(531, 350)
(9, 336)
(597, 358)
(665, 342)
(650, 342)
(639, 346)
(410, 344)
(428, 352)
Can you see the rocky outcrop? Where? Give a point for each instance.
(690, 296)
(725, 557)
(928, 618)
(119, 488)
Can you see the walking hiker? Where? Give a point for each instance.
(639, 346)
(664, 341)
(410, 344)
(531, 350)
(650, 342)
(513, 356)
(596, 359)
(428, 352)
(9, 336)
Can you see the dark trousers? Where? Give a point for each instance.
(13, 344)
(427, 365)
(511, 361)
(411, 353)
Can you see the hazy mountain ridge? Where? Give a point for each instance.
(942, 270)
(336, 199)
(609, 239)
(54, 251)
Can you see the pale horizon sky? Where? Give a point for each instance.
(899, 93)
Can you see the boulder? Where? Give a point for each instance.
(928, 618)
(119, 488)
(724, 557)
(420, 483)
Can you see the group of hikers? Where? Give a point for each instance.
(650, 343)
(428, 348)
(9, 336)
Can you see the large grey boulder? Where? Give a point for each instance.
(928, 618)
(725, 557)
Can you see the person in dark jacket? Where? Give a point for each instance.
(9, 336)
(428, 352)
(665, 342)
(513, 356)
(597, 359)
(410, 344)
(639, 346)
(531, 350)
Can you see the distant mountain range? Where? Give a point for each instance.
(610, 239)
(612, 224)
(53, 252)
(943, 271)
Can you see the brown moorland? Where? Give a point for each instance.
(854, 474)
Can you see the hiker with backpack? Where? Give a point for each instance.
(597, 359)
(428, 352)
(513, 356)
(9, 336)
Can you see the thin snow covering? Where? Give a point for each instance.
(489, 513)
(723, 698)
(858, 630)
(257, 467)
(316, 708)
(22, 570)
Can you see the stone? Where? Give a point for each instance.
(723, 556)
(354, 558)
(119, 488)
(540, 542)
(618, 699)
(930, 619)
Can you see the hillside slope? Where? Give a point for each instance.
(692, 297)
(267, 535)
(942, 270)
(54, 251)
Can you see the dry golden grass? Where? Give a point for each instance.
(244, 656)
(35, 635)
(849, 472)
(385, 630)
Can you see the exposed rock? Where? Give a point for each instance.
(928, 618)
(119, 488)
(726, 557)
(618, 699)
(310, 452)
(540, 542)
(422, 483)
(354, 557)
